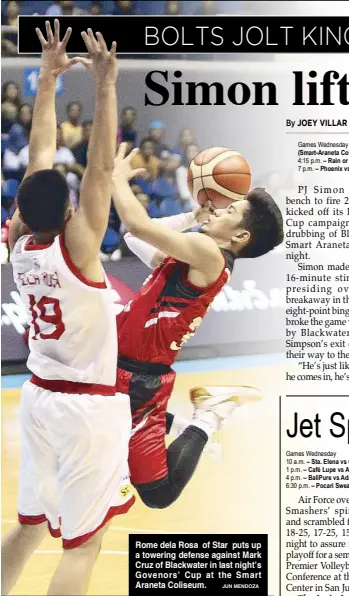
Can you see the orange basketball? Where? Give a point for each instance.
(219, 175)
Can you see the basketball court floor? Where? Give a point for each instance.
(233, 491)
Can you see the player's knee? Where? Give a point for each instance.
(159, 497)
(92, 546)
(30, 531)
(154, 502)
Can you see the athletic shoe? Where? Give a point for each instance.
(222, 401)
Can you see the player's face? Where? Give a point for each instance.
(226, 225)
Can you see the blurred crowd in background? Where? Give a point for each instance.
(162, 190)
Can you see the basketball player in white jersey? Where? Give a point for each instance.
(74, 429)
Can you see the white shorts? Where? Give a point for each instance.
(74, 461)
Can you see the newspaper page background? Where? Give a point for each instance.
(314, 405)
(284, 471)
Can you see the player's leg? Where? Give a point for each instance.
(175, 424)
(92, 442)
(35, 470)
(175, 466)
(211, 408)
(74, 570)
(155, 471)
(16, 548)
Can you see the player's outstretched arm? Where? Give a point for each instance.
(43, 136)
(85, 231)
(197, 250)
(151, 256)
(148, 254)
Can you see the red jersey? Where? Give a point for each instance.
(166, 312)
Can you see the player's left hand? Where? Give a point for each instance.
(123, 166)
(54, 59)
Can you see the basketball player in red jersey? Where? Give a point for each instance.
(190, 270)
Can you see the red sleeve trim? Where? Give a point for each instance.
(75, 270)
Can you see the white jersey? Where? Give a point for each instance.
(73, 335)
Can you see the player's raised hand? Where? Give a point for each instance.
(54, 59)
(122, 164)
(101, 62)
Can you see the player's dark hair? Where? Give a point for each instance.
(43, 199)
(264, 221)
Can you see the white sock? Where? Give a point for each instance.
(178, 426)
(206, 420)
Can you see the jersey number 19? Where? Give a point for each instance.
(39, 314)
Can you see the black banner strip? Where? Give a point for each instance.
(198, 34)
